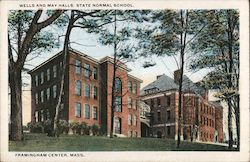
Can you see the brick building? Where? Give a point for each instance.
(201, 119)
(86, 93)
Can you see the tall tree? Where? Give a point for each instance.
(172, 35)
(24, 38)
(118, 34)
(220, 41)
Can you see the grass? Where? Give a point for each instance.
(40, 142)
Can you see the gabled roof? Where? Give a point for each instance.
(165, 83)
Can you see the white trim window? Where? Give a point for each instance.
(54, 71)
(48, 74)
(87, 111)
(78, 109)
(87, 70)
(87, 90)
(130, 102)
(48, 93)
(78, 88)
(42, 96)
(129, 119)
(54, 91)
(95, 112)
(36, 98)
(42, 77)
(134, 88)
(36, 80)
(78, 67)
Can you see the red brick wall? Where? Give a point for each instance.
(73, 97)
(122, 74)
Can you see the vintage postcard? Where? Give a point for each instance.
(124, 80)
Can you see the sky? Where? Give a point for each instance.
(88, 44)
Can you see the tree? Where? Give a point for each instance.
(173, 36)
(120, 39)
(220, 41)
(24, 38)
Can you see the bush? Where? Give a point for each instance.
(74, 127)
(95, 129)
(37, 127)
(63, 126)
(84, 128)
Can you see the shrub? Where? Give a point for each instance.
(63, 126)
(84, 128)
(36, 127)
(95, 129)
(74, 126)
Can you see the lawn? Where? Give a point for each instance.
(40, 142)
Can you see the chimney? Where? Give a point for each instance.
(177, 76)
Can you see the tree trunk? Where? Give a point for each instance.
(237, 116)
(15, 83)
(113, 86)
(229, 120)
(65, 52)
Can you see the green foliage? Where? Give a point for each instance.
(19, 22)
(217, 49)
(95, 129)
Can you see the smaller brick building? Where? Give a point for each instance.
(201, 119)
(86, 93)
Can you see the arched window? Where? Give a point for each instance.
(118, 95)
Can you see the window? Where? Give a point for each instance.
(42, 96)
(158, 101)
(135, 120)
(118, 104)
(95, 92)
(42, 77)
(78, 88)
(168, 115)
(134, 104)
(87, 114)
(48, 93)
(42, 116)
(134, 88)
(86, 70)
(118, 85)
(48, 74)
(78, 66)
(129, 119)
(95, 113)
(95, 71)
(118, 98)
(168, 100)
(78, 109)
(36, 116)
(159, 116)
(117, 125)
(130, 102)
(129, 86)
(54, 71)
(54, 91)
(36, 98)
(87, 90)
(36, 80)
